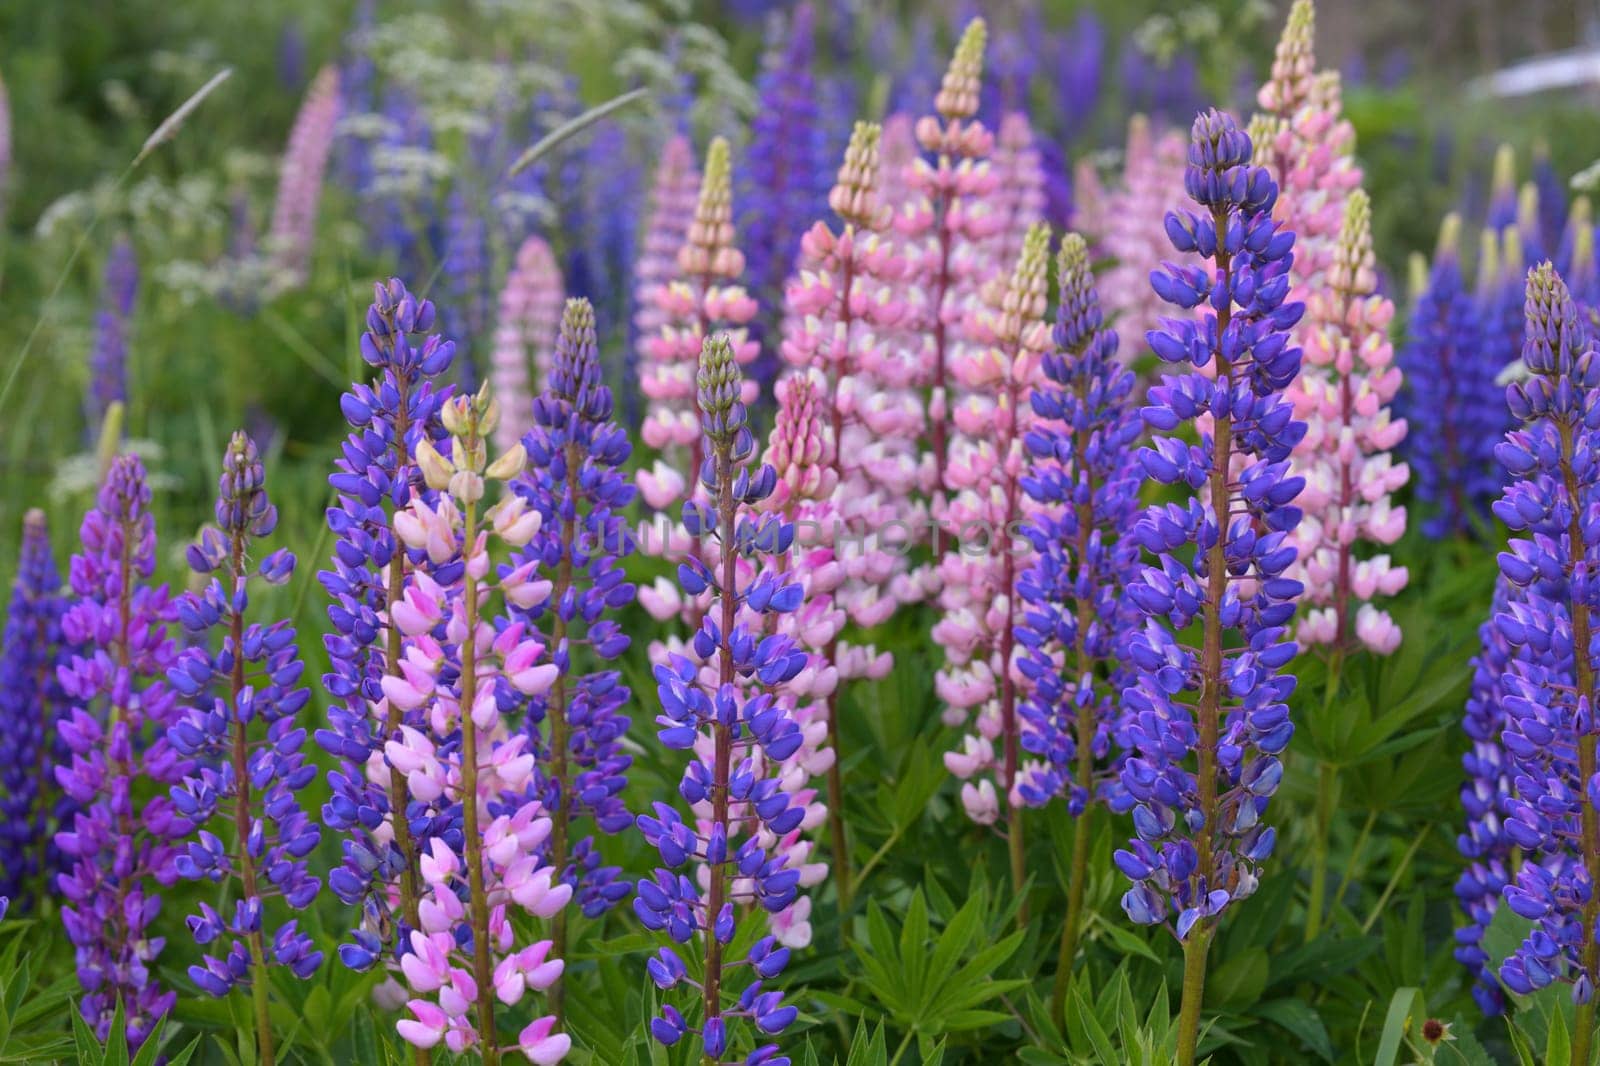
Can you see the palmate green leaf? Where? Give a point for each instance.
(913, 942)
(89, 1050)
(1085, 1033)
(1558, 1044)
(1125, 940)
(1240, 979)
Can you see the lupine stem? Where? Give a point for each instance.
(1195, 950)
(1327, 797)
(561, 816)
(726, 517)
(1582, 629)
(482, 961)
(410, 893)
(259, 988)
(836, 827)
(1008, 702)
(1078, 871)
(1210, 709)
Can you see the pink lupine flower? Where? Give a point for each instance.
(673, 194)
(1347, 381)
(305, 161)
(471, 763)
(978, 589)
(700, 297)
(1019, 195)
(947, 228)
(1308, 145)
(1125, 223)
(525, 337)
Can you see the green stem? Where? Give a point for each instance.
(1394, 881)
(1195, 950)
(1355, 854)
(559, 741)
(1322, 819)
(1074, 923)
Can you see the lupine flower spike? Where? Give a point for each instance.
(245, 776)
(703, 297)
(108, 358)
(736, 731)
(574, 482)
(1201, 772)
(841, 309)
(947, 230)
(370, 574)
(1082, 477)
(462, 759)
(305, 161)
(980, 680)
(1343, 394)
(1549, 733)
(525, 337)
(32, 703)
(1122, 224)
(119, 850)
(1451, 374)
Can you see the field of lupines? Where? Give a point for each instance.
(575, 534)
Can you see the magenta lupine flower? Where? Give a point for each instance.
(245, 779)
(525, 337)
(980, 683)
(31, 705)
(1122, 223)
(1019, 192)
(702, 296)
(1309, 147)
(119, 849)
(1347, 381)
(947, 229)
(465, 763)
(897, 154)
(305, 161)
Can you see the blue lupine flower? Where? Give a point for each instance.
(31, 705)
(374, 479)
(1208, 724)
(244, 776)
(575, 481)
(1456, 411)
(1549, 735)
(740, 719)
(108, 357)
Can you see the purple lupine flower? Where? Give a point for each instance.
(291, 55)
(108, 358)
(117, 847)
(305, 161)
(1552, 199)
(715, 704)
(31, 704)
(1082, 471)
(1077, 75)
(1201, 772)
(788, 175)
(466, 317)
(1484, 796)
(1450, 373)
(1581, 271)
(575, 482)
(357, 96)
(604, 218)
(1549, 735)
(245, 776)
(376, 478)
(1500, 296)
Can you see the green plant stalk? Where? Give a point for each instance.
(482, 963)
(1078, 872)
(1322, 818)
(1195, 950)
(260, 989)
